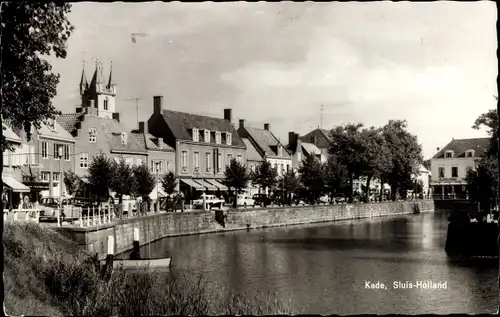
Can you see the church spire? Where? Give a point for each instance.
(83, 81)
(110, 81)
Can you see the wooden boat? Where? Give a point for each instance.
(152, 263)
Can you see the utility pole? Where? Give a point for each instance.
(321, 118)
(136, 107)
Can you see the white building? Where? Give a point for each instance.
(449, 166)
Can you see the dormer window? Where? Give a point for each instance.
(207, 136)
(124, 138)
(196, 135)
(228, 138)
(469, 153)
(51, 124)
(217, 137)
(448, 154)
(280, 150)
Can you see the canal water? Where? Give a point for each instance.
(323, 268)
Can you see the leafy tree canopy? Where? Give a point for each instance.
(313, 177)
(72, 182)
(264, 175)
(336, 176)
(169, 182)
(122, 181)
(144, 179)
(29, 32)
(236, 176)
(100, 175)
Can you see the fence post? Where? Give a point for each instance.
(93, 216)
(99, 215)
(81, 219)
(15, 215)
(27, 216)
(135, 255)
(109, 256)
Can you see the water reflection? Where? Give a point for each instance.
(323, 268)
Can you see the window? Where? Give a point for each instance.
(252, 167)
(129, 161)
(55, 177)
(217, 137)
(219, 163)
(454, 171)
(196, 162)
(84, 160)
(228, 138)
(45, 150)
(184, 161)
(441, 171)
(448, 154)
(208, 162)
(207, 136)
(161, 166)
(169, 166)
(469, 153)
(56, 151)
(124, 138)
(287, 168)
(282, 168)
(66, 152)
(238, 158)
(92, 135)
(229, 158)
(106, 103)
(6, 155)
(196, 135)
(138, 162)
(280, 150)
(45, 176)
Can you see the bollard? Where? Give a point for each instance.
(109, 256)
(99, 215)
(136, 254)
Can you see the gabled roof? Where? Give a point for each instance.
(460, 146)
(131, 146)
(251, 152)
(69, 120)
(311, 149)
(150, 142)
(267, 142)
(326, 133)
(180, 123)
(59, 132)
(10, 135)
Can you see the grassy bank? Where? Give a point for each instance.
(47, 274)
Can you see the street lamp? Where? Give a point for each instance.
(157, 164)
(59, 156)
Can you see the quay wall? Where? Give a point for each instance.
(157, 226)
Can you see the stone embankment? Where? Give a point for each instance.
(158, 226)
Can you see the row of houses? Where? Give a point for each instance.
(196, 148)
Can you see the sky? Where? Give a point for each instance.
(431, 63)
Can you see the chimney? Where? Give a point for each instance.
(242, 123)
(267, 126)
(158, 104)
(228, 115)
(160, 143)
(292, 137)
(141, 126)
(116, 116)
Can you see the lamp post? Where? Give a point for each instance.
(59, 156)
(157, 164)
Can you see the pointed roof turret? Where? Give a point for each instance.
(110, 81)
(97, 78)
(83, 80)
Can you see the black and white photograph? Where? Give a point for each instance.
(250, 158)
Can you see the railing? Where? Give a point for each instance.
(16, 215)
(96, 216)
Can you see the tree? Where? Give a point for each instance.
(237, 177)
(122, 181)
(169, 182)
(482, 183)
(100, 175)
(313, 178)
(489, 120)
(31, 31)
(347, 145)
(427, 164)
(145, 181)
(289, 183)
(336, 176)
(73, 182)
(265, 176)
(406, 157)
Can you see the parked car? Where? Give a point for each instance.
(261, 199)
(210, 200)
(298, 201)
(245, 200)
(48, 206)
(324, 200)
(339, 199)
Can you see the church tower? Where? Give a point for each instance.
(98, 98)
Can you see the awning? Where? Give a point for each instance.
(192, 183)
(15, 185)
(448, 184)
(216, 184)
(206, 184)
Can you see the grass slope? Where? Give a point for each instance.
(48, 275)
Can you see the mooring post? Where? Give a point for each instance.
(136, 254)
(109, 256)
